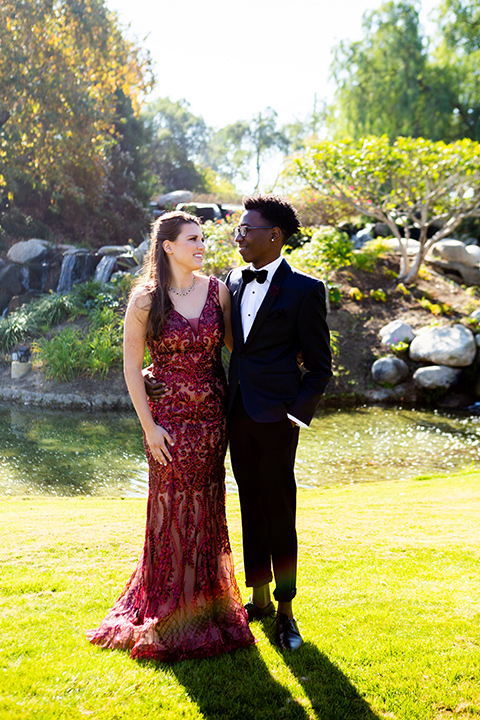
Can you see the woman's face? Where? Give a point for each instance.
(188, 249)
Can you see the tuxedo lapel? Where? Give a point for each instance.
(237, 327)
(272, 292)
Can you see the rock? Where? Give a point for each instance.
(4, 300)
(396, 331)
(381, 230)
(11, 280)
(436, 376)
(455, 401)
(389, 370)
(476, 315)
(404, 393)
(28, 250)
(452, 251)
(393, 244)
(470, 275)
(114, 249)
(360, 238)
(477, 340)
(140, 252)
(18, 300)
(19, 369)
(175, 197)
(474, 252)
(453, 346)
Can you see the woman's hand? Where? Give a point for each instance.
(158, 441)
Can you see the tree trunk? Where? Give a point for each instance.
(412, 274)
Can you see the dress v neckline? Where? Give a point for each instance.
(201, 313)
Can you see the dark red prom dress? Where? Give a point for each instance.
(182, 600)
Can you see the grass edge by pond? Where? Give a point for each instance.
(388, 603)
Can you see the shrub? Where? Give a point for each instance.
(403, 290)
(436, 308)
(221, 252)
(328, 250)
(378, 295)
(356, 294)
(63, 355)
(367, 258)
(31, 320)
(71, 352)
(335, 294)
(399, 347)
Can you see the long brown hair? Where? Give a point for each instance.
(156, 269)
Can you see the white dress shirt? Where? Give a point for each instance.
(253, 296)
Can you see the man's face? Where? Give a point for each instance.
(257, 246)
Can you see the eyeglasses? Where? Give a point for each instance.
(242, 230)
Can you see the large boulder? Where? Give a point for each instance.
(175, 197)
(434, 377)
(454, 256)
(474, 252)
(11, 280)
(393, 244)
(390, 370)
(476, 315)
(452, 250)
(453, 346)
(27, 251)
(396, 331)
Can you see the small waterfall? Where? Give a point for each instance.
(76, 268)
(34, 276)
(105, 268)
(65, 280)
(25, 276)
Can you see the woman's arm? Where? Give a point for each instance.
(133, 353)
(226, 305)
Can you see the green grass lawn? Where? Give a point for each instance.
(388, 604)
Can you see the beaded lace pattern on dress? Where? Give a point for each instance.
(182, 600)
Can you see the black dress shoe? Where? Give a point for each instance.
(286, 633)
(257, 613)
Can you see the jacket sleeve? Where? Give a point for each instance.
(315, 347)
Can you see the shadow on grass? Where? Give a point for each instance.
(331, 694)
(240, 686)
(237, 686)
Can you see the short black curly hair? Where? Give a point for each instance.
(276, 210)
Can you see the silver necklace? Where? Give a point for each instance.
(180, 294)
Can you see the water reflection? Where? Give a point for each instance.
(102, 454)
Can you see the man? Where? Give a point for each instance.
(278, 317)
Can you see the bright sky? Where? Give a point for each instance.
(231, 60)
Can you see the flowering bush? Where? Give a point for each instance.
(221, 252)
(328, 250)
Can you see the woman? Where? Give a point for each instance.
(182, 601)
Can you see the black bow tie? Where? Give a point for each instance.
(259, 275)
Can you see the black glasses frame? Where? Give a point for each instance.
(242, 230)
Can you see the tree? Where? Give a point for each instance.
(432, 186)
(62, 66)
(234, 148)
(398, 82)
(177, 140)
(457, 57)
(381, 78)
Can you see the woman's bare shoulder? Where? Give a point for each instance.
(141, 298)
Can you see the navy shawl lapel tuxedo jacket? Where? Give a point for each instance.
(290, 324)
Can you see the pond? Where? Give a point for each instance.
(71, 453)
